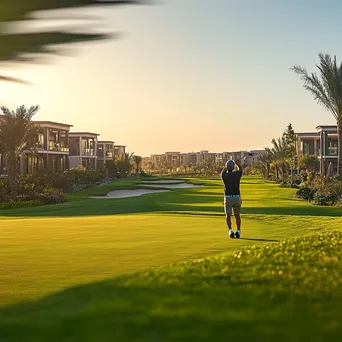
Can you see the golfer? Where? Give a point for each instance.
(232, 198)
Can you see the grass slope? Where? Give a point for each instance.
(288, 291)
(59, 246)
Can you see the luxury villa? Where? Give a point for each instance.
(323, 143)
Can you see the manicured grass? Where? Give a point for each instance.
(289, 291)
(258, 198)
(44, 250)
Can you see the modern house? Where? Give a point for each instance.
(323, 143)
(83, 150)
(105, 152)
(51, 152)
(119, 151)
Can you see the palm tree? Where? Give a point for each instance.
(17, 134)
(327, 91)
(137, 160)
(265, 159)
(279, 152)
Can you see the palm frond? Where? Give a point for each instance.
(327, 87)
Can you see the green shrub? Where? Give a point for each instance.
(309, 162)
(82, 176)
(46, 177)
(145, 174)
(305, 193)
(325, 199)
(4, 190)
(22, 204)
(46, 195)
(51, 196)
(321, 190)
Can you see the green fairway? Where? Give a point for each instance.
(44, 250)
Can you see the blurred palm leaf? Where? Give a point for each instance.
(28, 46)
(11, 10)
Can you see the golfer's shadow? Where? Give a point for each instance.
(254, 239)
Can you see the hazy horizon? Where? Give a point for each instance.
(188, 76)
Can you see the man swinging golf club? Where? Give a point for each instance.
(232, 198)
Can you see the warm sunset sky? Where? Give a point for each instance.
(189, 75)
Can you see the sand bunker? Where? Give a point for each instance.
(169, 184)
(169, 181)
(128, 193)
(172, 186)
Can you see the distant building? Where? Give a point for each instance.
(157, 160)
(252, 157)
(173, 159)
(146, 163)
(176, 159)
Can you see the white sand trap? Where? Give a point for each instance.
(128, 193)
(173, 186)
(163, 181)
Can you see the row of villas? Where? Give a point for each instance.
(177, 159)
(59, 149)
(323, 143)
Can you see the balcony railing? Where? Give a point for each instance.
(57, 147)
(88, 152)
(109, 154)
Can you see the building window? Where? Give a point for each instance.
(41, 140)
(100, 151)
(308, 147)
(332, 147)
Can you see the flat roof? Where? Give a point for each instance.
(308, 133)
(119, 145)
(327, 126)
(82, 133)
(52, 123)
(105, 142)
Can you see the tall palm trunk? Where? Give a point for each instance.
(282, 171)
(277, 173)
(339, 135)
(267, 171)
(13, 172)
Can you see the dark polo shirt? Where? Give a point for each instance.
(231, 182)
